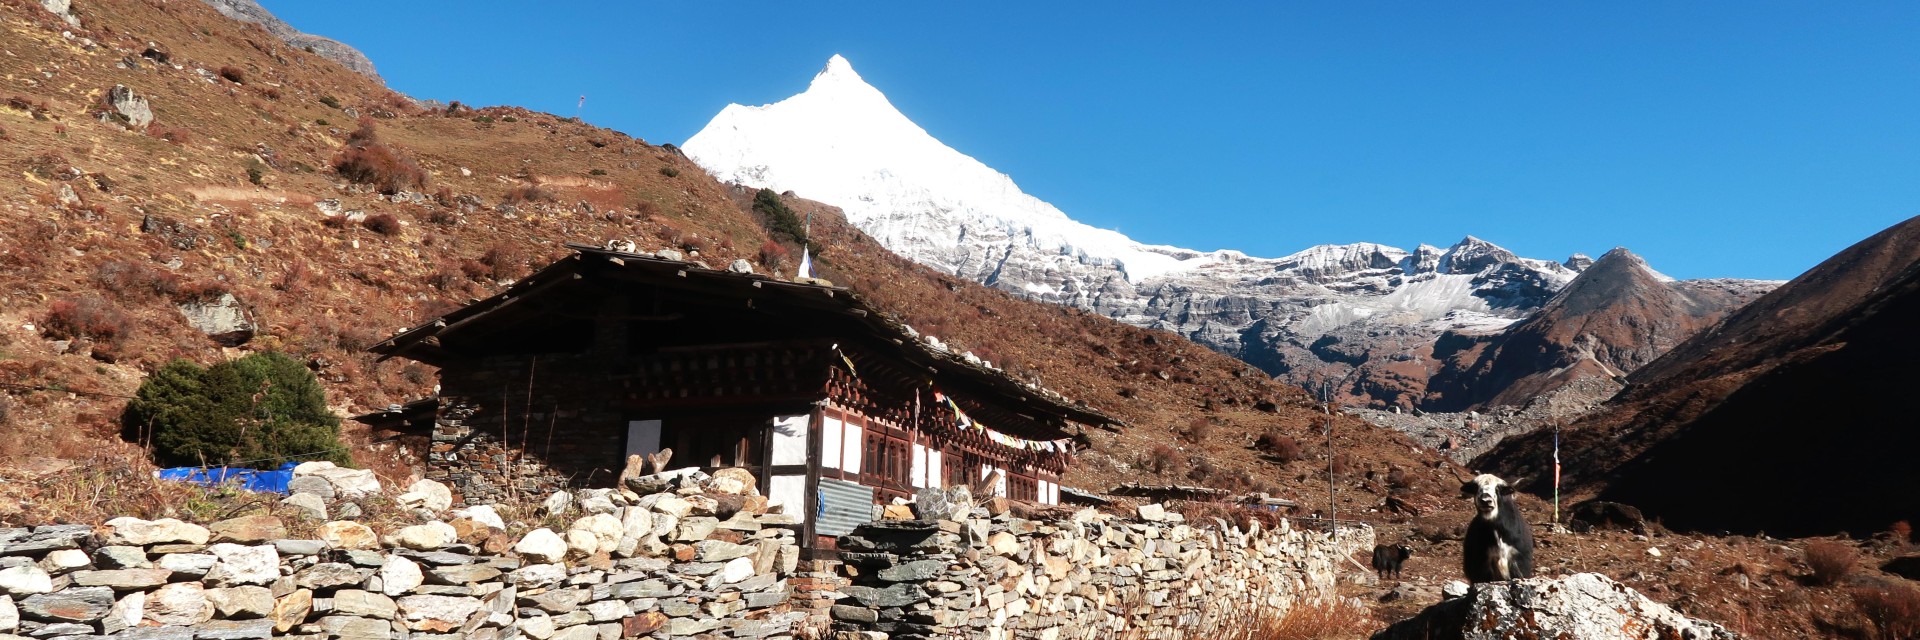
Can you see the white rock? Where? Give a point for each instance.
(137, 532)
(736, 570)
(399, 576)
(1152, 512)
(582, 542)
(425, 537)
(538, 627)
(1584, 605)
(308, 505)
(538, 575)
(436, 613)
(9, 615)
(25, 580)
(541, 545)
(347, 534)
(126, 613)
(673, 505)
(347, 483)
(558, 503)
(606, 528)
(484, 514)
(63, 559)
(1654, 551)
(180, 603)
(241, 564)
(427, 494)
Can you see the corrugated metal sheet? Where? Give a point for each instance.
(843, 506)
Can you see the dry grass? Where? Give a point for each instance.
(1830, 561)
(1309, 620)
(1894, 609)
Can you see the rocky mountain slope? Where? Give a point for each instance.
(1782, 418)
(144, 193)
(251, 11)
(1363, 315)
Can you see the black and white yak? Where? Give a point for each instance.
(1498, 545)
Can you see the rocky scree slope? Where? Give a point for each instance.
(1366, 314)
(340, 52)
(107, 229)
(1783, 418)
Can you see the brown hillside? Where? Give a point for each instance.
(1783, 418)
(233, 187)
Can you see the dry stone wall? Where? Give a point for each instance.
(1089, 575)
(696, 556)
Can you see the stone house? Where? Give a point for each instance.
(832, 406)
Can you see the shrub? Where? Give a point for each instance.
(330, 101)
(779, 217)
(670, 171)
(773, 254)
(597, 172)
(258, 411)
(504, 261)
(379, 165)
(256, 174)
(1894, 608)
(1198, 430)
(1830, 561)
(527, 193)
(1201, 470)
(382, 223)
(128, 280)
(235, 75)
(1280, 446)
(85, 317)
(174, 135)
(1902, 532)
(1162, 458)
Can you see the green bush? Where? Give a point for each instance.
(257, 411)
(779, 217)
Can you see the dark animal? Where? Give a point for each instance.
(1498, 546)
(1386, 560)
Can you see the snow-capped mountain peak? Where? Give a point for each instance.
(843, 143)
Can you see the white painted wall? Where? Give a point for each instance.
(830, 432)
(790, 439)
(791, 491)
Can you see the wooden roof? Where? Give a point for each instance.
(592, 270)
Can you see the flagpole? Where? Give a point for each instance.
(1556, 473)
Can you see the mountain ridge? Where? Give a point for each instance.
(841, 142)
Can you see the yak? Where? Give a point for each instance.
(1498, 546)
(1386, 560)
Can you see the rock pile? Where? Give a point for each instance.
(1585, 605)
(704, 555)
(983, 572)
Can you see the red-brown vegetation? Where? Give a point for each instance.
(382, 223)
(1162, 458)
(1894, 609)
(129, 280)
(234, 74)
(1281, 447)
(1830, 561)
(504, 261)
(171, 134)
(88, 317)
(773, 254)
(527, 193)
(367, 160)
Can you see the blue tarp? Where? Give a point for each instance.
(249, 479)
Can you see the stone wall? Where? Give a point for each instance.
(989, 574)
(696, 555)
(482, 468)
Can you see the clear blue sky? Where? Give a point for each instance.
(1741, 139)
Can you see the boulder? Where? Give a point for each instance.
(581, 542)
(240, 565)
(309, 506)
(193, 565)
(438, 614)
(732, 481)
(541, 545)
(558, 503)
(65, 560)
(399, 576)
(425, 537)
(248, 529)
(128, 108)
(179, 604)
(606, 530)
(353, 602)
(347, 534)
(1584, 605)
(137, 532)
(9, 615)
(484, 514)
(242, 602)
(943, 504)
(121, 557)
(327, 576)
(311, 485)
(292, 609)
(25, 580)
(125, 614)
(224, 319)
(428, 495)
(73, 604)
(348, 484)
